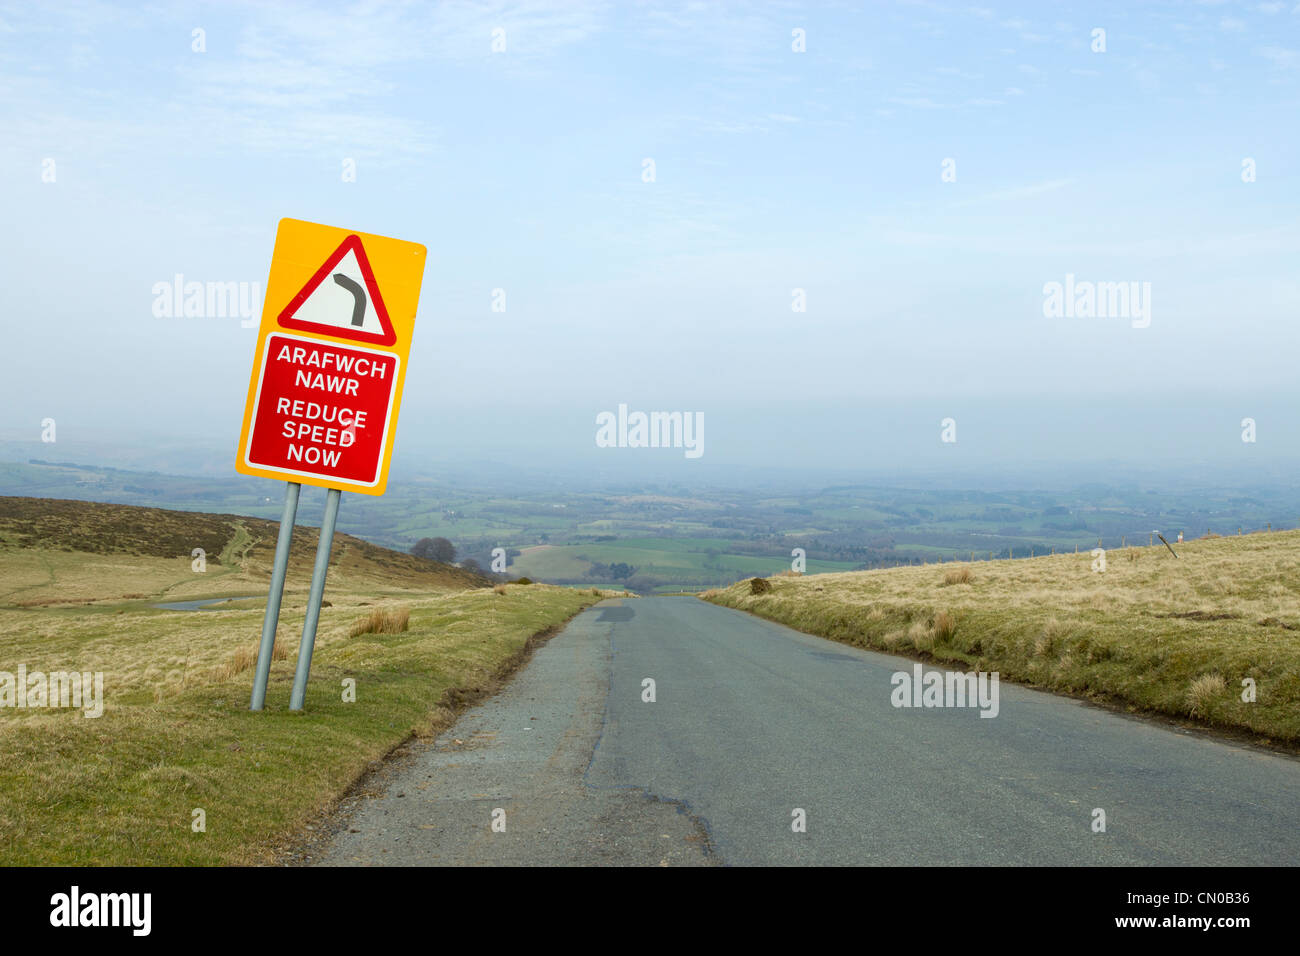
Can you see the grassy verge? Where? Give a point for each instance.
(176, 735)
(1159, 634)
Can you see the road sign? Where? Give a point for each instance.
(322, 402)
(331, 358)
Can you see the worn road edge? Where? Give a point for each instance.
(292, 849)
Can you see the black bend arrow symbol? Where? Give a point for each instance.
(359, 298)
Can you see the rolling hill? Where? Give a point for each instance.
(149, 552)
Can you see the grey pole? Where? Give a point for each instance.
(272, 618)
(313, 601)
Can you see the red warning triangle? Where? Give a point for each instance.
(342, 299)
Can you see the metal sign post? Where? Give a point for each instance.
(314, 600)
(271, 620)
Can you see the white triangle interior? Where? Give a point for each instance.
(331, 304)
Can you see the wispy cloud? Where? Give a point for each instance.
(291, 79)
(1017, 192)
(1281, 57)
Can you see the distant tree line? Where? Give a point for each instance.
(435, 549)
(477, 558)
(618, 571)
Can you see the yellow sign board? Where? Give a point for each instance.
(331, 357)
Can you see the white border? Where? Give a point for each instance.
(257, 401)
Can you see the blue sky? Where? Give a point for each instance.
(774, 170)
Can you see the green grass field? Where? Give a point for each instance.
(672, 561)
(176, 735)
(1174, 636)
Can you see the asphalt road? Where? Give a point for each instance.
(753, 721)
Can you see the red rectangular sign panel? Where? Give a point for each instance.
(322, 409)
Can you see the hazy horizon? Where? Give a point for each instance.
(839, 246)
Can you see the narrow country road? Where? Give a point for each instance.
(752, 722)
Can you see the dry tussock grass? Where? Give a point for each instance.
(921, 636)
(244, 659)
(1050, 638)
(1203, 691)
(893, 639)
(382, 620)
(961, 575)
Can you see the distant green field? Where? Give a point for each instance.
(671, 562)
(667, 532)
